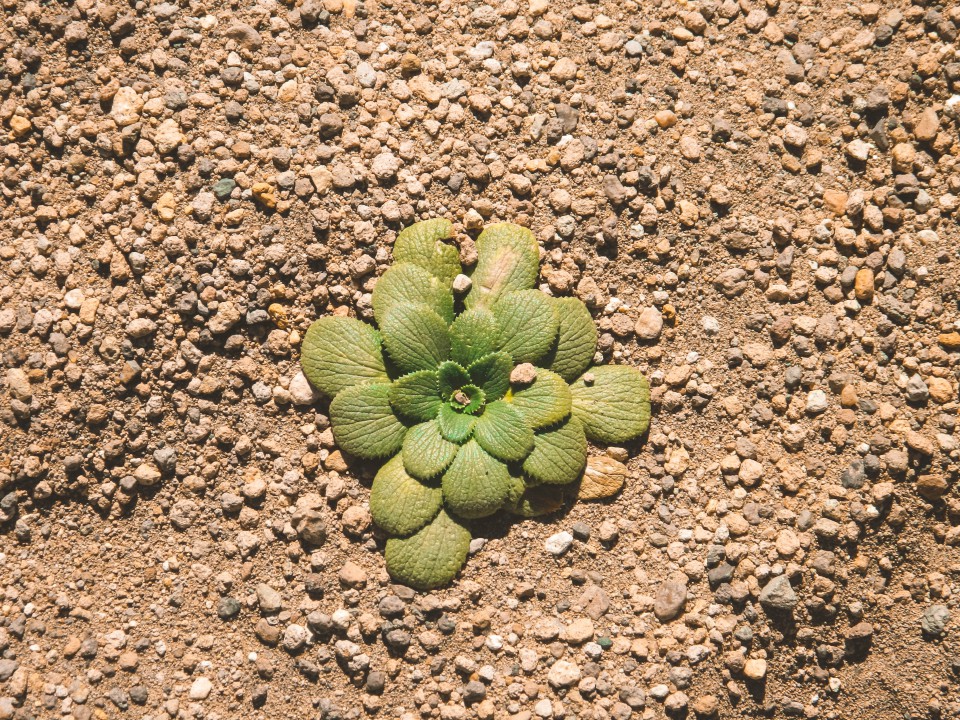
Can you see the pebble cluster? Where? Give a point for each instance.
(758, 200)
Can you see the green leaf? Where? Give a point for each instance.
(576, 342)
(501, 431)
(400, 504)
(538, 500)
(455, 426)
(339, 352)
(474, 333)
(615, 407)
(416, 337)
(492, 374)
(528, 324)
(407, 284)
(421, 244)
(559, 455)
(545, 401)
(450, 378)
(476, 484)
(363, 422)
(508, 259)
(432, 557)
(415, 395)
(425, 452)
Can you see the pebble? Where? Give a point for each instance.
(934, 620)
(670, 599)
(200, 689)
(778, 595)
(649, 324)
(558, 543)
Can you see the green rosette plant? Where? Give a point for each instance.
(477, 404)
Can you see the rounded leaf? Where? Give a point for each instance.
(615, 405)
(538, 500)
(416, 337)
(455, 426)
(425, 452)
(363, 422)
(432, 557)
(576, 341)
(501, 431)
(559, 454)
(415, 395)
(528, 324)
(339, 352)
(401, 504)
(547, 400)
(492, 374)
(473, 334)
(508, 258)
(407, 284)
(421, 244)
(476, 484)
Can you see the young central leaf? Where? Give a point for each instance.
(363, 422)
(492, 373)
(468, 399)
(474, 333)
(432, 557)
(559, 454)
(508, 259)
(546, 401)
(415, 395)
(409, 284)
(450, 378)
(400, 504)
(339, 352)
(426, 453)
(615, 405)
(528, 324)
(421, 244)
(455, 426)
(502, 432)
(416, 337)
(476, 484)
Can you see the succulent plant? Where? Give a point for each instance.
(475, 412)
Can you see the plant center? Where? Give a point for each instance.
(468, 399)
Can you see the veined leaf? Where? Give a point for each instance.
(415, 395)
(538, 500)
(408, 284)
(576, 342)
(455, 426)
(363, 422)
(476, 484)
(474, 333)
(432, 557)
(559, 454)
(400, 504)
(508, 259)
(615, 406)
(451, 377)
(422, 244)
(425, 452)
(416, 337)
(501, 431)
(545, 401)
(492, 374)
(339, 352)
(528, 324)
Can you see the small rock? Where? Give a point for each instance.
(934, 620)
(649, 324)
(559, 543)
(670, 599)
(563, 674)
(755, 669)
(200, 689)
(523, 374)
(778, 595)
